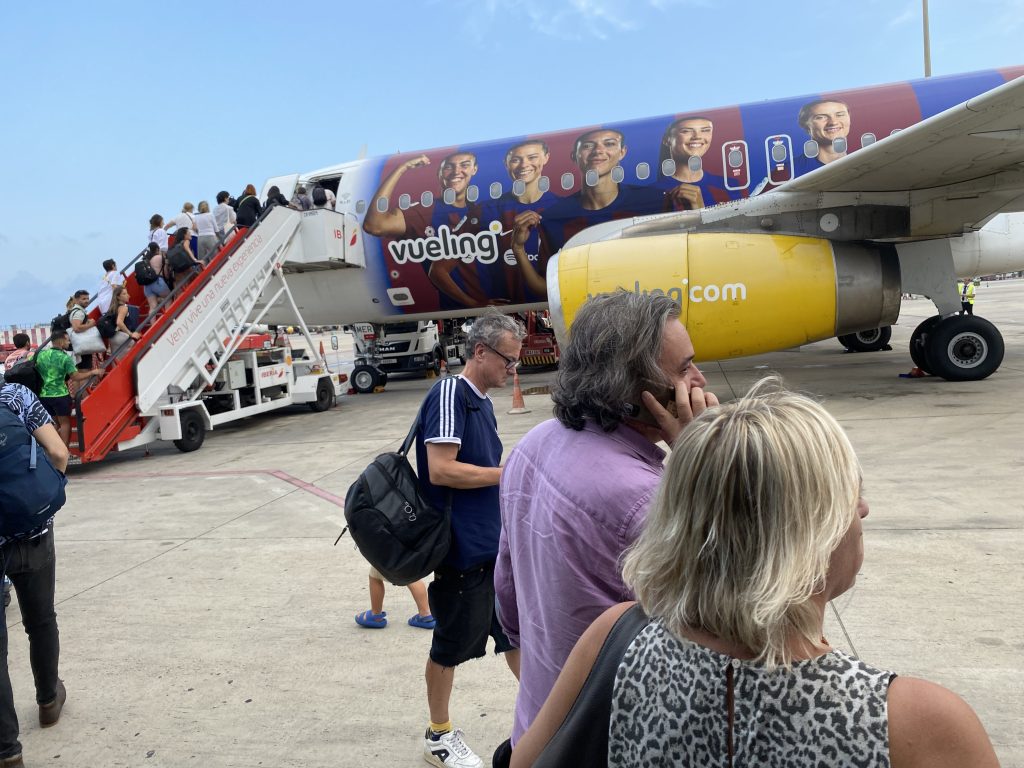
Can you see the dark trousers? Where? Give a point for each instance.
(967, 308)
(31, 566)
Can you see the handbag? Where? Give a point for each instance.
(582, 738)
(87, 342)
(394, 526)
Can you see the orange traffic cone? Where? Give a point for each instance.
(323, 355)
(518, 404)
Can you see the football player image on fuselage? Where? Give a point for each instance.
(828, 125)
(524, 163)
(449, 216)
(687, 184)
(597, 154)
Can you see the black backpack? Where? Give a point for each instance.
(61, 322)
(107, 325)
(319, 196)
(144, 272)
(396, 529)
(31, 488)
(24, 372)
(178, 259)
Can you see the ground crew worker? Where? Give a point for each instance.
(966, 290)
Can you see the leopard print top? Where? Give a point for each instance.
(672, 700)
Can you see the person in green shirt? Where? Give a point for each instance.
(55, 368)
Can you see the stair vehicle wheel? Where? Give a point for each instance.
(964, 348)
(193, 432)
(324, 396)
(918, 340)
(365, 378)
(871, 340)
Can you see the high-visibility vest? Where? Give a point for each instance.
(966, 291)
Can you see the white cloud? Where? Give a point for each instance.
(566, 19)
(910, 14)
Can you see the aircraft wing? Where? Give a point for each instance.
(944, 176)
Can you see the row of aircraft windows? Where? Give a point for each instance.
(735, 157)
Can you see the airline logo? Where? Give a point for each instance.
(482, 247)
(696, 294)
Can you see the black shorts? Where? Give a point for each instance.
(57, 406)
(462, 603)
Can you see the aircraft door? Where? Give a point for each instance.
(736, 163)
(285, 183)
(778, 152)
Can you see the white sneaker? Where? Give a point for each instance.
(450, 751)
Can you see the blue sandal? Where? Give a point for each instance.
(422, 622)
(372, 620)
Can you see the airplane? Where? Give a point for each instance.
(773, 224)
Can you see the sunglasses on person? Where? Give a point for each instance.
(510, 362)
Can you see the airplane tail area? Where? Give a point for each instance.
(791, 290)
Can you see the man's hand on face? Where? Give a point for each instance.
(689, 404)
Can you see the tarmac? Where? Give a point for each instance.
(207, 619)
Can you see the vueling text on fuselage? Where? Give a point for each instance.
(697, 294)
(476, 246)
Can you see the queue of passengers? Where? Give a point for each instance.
(659, 610)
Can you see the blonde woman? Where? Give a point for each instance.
(206, 232)
(757, 525)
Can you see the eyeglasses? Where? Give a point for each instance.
(510, 362)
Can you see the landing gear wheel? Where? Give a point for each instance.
(193, 432)
(964, 348)
(365, 378)
(867, 341)
(918, 340)
(436, 367)
(324, 396)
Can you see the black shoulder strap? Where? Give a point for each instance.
(582, 738)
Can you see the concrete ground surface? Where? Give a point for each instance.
(207, 620)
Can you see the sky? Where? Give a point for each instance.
(114, 111)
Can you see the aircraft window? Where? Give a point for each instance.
(839, 144)
(694, 163)
(543, 185)
(668, 167)
(643, 171)
(567, 181)
(618, 174)
(518, 187)
(361, 207)
(427, 199)
(735, 158)
(867, 139)
(382, 204)
(894, 131)
(404, 201)
(779, 153)
(449, 196)
(495, 190)
(810, 148)
(472, 193)
(591, 178)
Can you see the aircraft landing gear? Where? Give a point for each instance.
(366, 378)
(957, 348)
(867, 341)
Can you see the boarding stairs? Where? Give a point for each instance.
(190, 337)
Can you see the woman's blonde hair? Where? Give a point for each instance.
(755, 497)
(204, 207)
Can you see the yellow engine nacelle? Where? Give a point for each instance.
(741, 294)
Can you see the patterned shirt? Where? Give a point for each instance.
(54, 366)
(26, 406)
(671, 706)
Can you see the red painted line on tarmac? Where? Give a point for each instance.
(338, 501)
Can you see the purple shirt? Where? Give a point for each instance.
(571, 504)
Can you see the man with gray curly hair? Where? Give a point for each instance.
(575, 491)
(458, 454)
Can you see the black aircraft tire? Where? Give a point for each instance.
(867, 341)
(964, 348)
(365, 378)
(324, 396)
(917, 342)
(193, 432)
